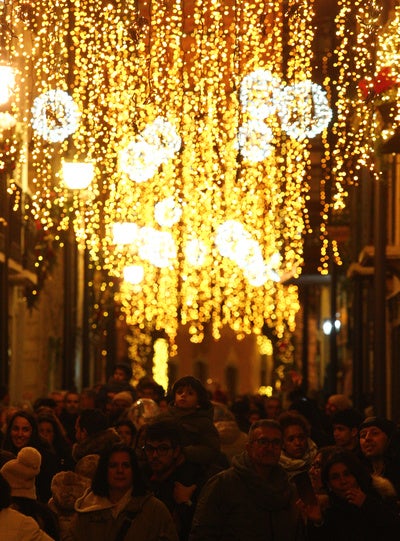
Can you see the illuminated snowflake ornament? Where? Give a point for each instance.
(155, 145)
(167, 212)
(255, 140)
(55, 115)
(259, 91)
(304, 110)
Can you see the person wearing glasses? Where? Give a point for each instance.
(172, 478)
(252, 499)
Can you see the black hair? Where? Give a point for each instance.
(164, 430)
(5, 493)
(190, 381)
(92, 420)
(290, 418)
(35, 439)
(264, 423)
(100, 480)
(126, 368)
(128, 423)
(353, 464)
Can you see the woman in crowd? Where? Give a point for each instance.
(51, 430)
(358, 510)
(118, 505)
(22, 431)
(298, 449)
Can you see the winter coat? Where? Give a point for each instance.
(66, 487)
(150, 519)
(14, 526)
(238, 505)
(201, 443)
(95, 443)
(377, 518)
(40, 512)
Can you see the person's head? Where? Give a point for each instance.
(44, 404)
(89, 422)
(265, 443)
(317, 465)
(343, 471)
(71, 402)
(51, 430)
(58, 397)
(188, 393)
(5, 493)
(21, 473)
(295, 430)
(87, 399)
(345, 425)
(21, 431)
(272, 407)
(162, 446)
(127, 431)
(337, 402)
(375, 434)
(122, 372)
(118, 471)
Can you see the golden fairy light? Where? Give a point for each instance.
(196, 117)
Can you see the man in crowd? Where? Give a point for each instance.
(69, 414)
(93, 435)
(345, 425)
(173, 479)
(253, 498)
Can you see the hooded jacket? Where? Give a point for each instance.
(238, 505)
(99, 519)
(201, 442)
(14, 526)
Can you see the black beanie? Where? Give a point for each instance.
(387, 426)
(349, 417)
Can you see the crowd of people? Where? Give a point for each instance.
(136, 463)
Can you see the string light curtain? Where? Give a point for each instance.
(197, 116)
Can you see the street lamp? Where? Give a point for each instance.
(77, 175)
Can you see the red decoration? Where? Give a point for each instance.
(381, 83)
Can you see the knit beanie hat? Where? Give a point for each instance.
(21, 472)
(387, 426)
(87, 465)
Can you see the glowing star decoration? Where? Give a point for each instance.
(157, 247)
(196, 252)
(55, 115)
(259, 92)
(304, 110)
(255, 140)
(167, 212)
(154, 146)
(133, 274)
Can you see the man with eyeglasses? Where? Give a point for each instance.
(252, 500)
(173, 480)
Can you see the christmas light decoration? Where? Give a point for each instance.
(55, 115)
(199, 188)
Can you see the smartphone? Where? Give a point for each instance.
(304, 488)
